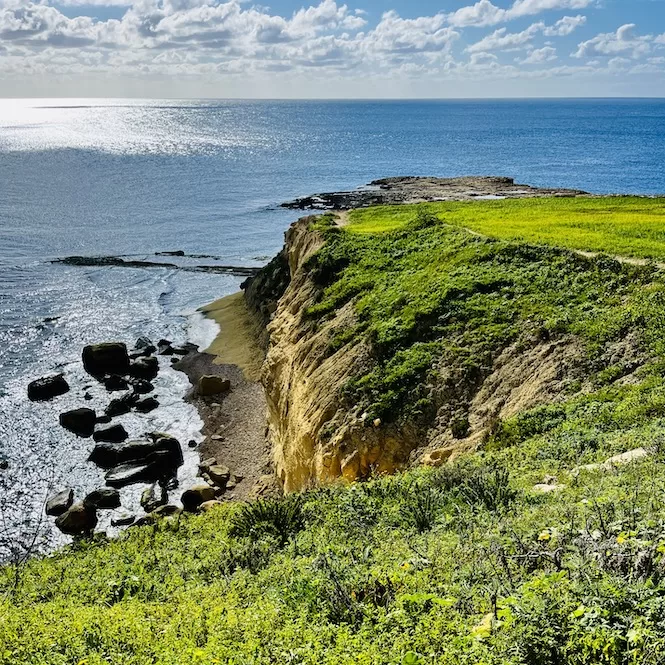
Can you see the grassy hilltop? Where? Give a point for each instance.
(464, 564)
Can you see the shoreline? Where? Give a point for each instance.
(234, 423)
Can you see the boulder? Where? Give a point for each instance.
(143, 343)
(59, 503)
(4, 465)
(109, 358)
(151, 499)
(143, 348)
(142, 387)
(104, 498)
(219, 475)
(121, 405)
(107, 455)
(47, 388)
(146, 405)
(144, 368)
(167, 511)
(115, 383)
(213, 385)
(130, 473)
(123, 519)
(104, 419)
(113, 434)
(79, 421)
(87, 397)
(155, 467)
(79, 519)
(193, 497)
(164, 347)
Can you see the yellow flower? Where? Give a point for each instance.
(545, 535)
(621, 539)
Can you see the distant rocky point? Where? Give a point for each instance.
(412, 189)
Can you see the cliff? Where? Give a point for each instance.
(386, 349)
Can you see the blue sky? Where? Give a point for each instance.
(358, 49)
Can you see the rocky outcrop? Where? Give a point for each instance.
(393, 191)
(47, 388)
(80, 519)
(108, 358)
(79, 421)
(59, 503)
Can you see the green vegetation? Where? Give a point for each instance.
(430, 296)
(623, 226)
(467, 564)
(459, 565)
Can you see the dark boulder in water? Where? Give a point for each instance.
(78, 520)
(121, 405)
(142, 387)
(47, 388)
(146, 405)
(115, 383)
(144, 368)
(108, 358)
(113, 434)
(104, 498)
(79, 421)
(59, 503)
(156, 466)
(107, 455)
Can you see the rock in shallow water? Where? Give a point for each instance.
(78, 520)
(47, 388)
(113, 434)
(59, 503)
(144, 368)
(108, 358)
(104, 497)
(107, 455)
(156, 467)
(146, 405)
(115, 383)
(79, 421)
(123, 519)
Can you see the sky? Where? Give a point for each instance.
(326, 49)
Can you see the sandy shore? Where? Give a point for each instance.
(235, 422)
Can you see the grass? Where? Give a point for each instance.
(466, 564)
(622, 226)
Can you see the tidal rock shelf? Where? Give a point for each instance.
(120, 262)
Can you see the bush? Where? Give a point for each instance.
(282, 519)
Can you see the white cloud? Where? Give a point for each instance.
(611, 43)
(539, 56)
(566, 26)
(501, 39)
(484, 13)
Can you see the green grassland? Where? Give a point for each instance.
(466, 564)
(624, 226)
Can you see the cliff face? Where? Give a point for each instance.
(317, 437)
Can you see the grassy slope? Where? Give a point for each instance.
(461, 565)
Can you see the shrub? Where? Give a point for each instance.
(282, 519)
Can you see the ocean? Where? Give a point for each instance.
(133, 178)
